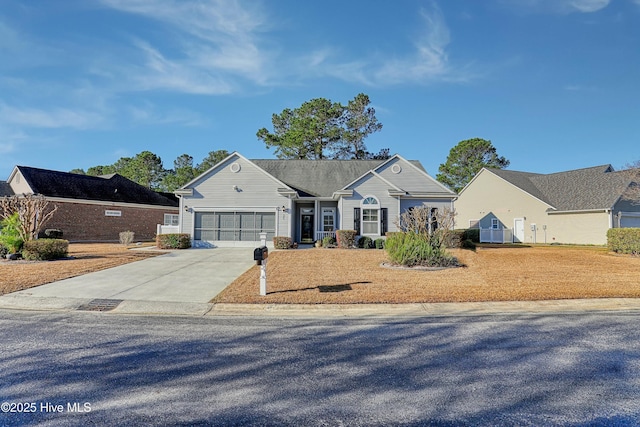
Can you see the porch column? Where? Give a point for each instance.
(316, 211)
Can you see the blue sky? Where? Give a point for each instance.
(554, 84)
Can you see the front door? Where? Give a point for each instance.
(306, 227)
(518, 230)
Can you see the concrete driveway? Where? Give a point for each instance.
(190, 276)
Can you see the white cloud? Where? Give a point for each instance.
(55, 118)
(557, 6)
(218, 43)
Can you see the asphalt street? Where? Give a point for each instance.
(84, 368)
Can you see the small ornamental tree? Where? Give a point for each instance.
(33, 212)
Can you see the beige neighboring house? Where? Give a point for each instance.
(576, 206)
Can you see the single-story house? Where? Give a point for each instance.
(306, 200)
(95, 208)
(576, 206)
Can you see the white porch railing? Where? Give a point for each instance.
(167, 229)
(322, 234)
(496, 235)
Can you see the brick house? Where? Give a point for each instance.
(95, 208)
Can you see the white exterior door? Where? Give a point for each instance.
(518, 230)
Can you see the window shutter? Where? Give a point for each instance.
(383, 221)
(356, 220)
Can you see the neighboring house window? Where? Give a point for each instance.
(328, 219)
(494, 223)
(474, 223)
(370, 216)
(171, 219)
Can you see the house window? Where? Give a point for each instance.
(474, 223)
(494, 223)
(370, 216)
(171, 219)
(328, 219)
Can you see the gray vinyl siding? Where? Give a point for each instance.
(214, 191)
(369, 185)
(409, 178)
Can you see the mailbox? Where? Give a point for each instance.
(260, 254)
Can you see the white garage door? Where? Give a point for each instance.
(234, 226)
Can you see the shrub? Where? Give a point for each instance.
(50, 233)
(126, 237)
(282, 242)
(455, 239)
(10, 234)
(379, 243)
(624, 240)
(413, 249)
(365, 242)
(346, 239)
(3, 251)
(173, 241)
(329, 242)
(472, 234)
(468, 244)
(45, 249)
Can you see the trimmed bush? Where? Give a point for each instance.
(413, 249)
(173, 241)
(472, 234)
(50, 233)
(45, 249)
(624, 240)
(282, 242)
(346, 239)
(126, 237)
(365, 242)
(468, 244)
(379, 243)
(329, 242)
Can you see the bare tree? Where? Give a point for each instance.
(432, 222)
(33, 212)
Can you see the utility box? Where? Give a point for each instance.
(260, 254)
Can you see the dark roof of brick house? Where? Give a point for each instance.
(108, 188)
(5, 189)
(598, 187)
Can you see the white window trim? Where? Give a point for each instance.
(364, 206)
(328, 212)
(495, 224)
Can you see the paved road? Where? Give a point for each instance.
(573, 370)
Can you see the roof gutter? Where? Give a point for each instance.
(578, 211)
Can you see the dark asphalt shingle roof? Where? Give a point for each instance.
(5, 189)
(320, 178)
(111, 188)
(597, 187)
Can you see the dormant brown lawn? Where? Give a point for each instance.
(85, 258)
(491, 273)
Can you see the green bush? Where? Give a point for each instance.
(45, 249)
(365, 242)
(472, 234)
(10, 234)
(624, 240)
(468, 244)
(329, 242)
(173, 241)
(3, 251)
(50, 233)
(282, 242)
(379, 243)
(346, 239)
(413, 249)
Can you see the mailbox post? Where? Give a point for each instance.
(260, 256)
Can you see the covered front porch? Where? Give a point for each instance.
(314, 220)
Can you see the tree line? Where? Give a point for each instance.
(318, 129)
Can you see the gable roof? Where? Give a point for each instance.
(107, 188)
(598, 187)
(302, 175)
